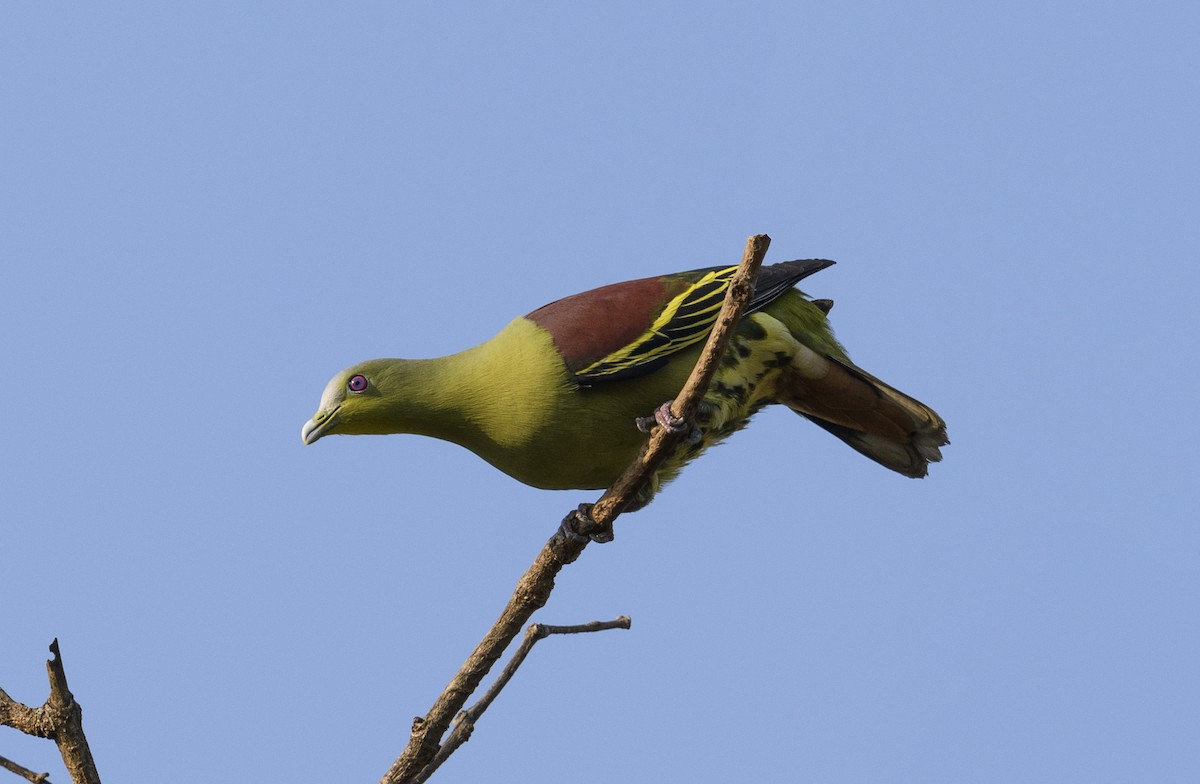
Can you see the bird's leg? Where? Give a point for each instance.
(579, 526)
(641, 499)
(669, 422)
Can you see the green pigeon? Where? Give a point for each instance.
(555, 399)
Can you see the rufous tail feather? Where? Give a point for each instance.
(874, 418)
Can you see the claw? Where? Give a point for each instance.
(578, 526)
(669, 422)
(663, 418)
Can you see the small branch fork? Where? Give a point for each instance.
(464, 724)
(424, 747)
(60, 719)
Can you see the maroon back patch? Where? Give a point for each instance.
(589, 326)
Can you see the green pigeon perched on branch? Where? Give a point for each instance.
(556, 399)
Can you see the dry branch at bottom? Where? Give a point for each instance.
(60, 719)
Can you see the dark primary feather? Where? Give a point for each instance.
(776, 279)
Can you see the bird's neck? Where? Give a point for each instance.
(487, 397)
(437, 399)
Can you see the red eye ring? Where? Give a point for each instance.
(357, 383)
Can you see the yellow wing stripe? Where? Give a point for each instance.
(685, 321)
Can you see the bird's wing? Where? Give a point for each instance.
(633, 328)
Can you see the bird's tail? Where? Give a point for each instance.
(874, 418)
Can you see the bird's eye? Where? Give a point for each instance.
(357, 383)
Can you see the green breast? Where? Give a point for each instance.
(541, 427)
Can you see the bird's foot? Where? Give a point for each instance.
(663, 418)
(578, 526)
(669, 422)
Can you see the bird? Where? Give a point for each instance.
(558, 398)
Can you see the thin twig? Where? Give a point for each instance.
(24, 772)
(534, 587)
(533, 633)
(464, 725)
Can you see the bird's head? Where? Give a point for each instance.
(353, 403)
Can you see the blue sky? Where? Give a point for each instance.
(208, 209)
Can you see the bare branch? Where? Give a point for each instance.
(464, 725)
(533, 633)
(23, 718)
(534, 587)
(24, 772)
(60, 718)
